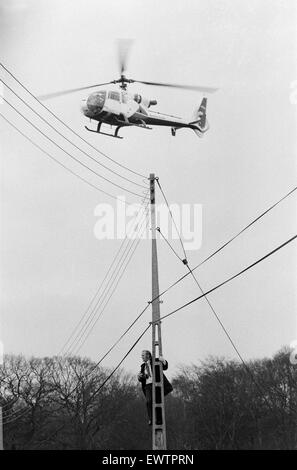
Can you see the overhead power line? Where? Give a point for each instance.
(115, 344)
(92, 321)
(121, 361)
(113, 266)
(69, 128)
(62, 164)
(230, 278)
(171, 313)
(173, 221)
(229, 241)
(131, 252)
(20, 413)
(187, 265)
(15, 415)
(213, 310)
(70, 141)
(92, 300)
(69, 154)
(228, 335)
(211, 290)
(175, 311)
(258, 385)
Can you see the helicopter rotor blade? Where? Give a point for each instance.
(67, 92)
(124, 46)
(203, 89)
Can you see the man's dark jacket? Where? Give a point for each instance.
(167, 385)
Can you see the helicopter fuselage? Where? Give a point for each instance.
(120, 108)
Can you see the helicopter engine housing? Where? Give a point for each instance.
(144, 101)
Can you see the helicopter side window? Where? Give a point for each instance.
(113, 95)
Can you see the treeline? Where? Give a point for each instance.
(54, 403)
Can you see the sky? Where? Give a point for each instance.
(51, 262)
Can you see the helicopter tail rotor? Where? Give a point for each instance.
(199, 117)
(199, 124)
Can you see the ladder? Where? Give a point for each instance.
(158, 408)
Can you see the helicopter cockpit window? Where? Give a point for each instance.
(95, 101)
(114, 95)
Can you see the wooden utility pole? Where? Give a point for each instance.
(159, 423)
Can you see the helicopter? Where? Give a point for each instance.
(119, 108)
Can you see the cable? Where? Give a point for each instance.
(110, 296)
(172, 218)
(93, 298)
(96, 365)
(98, 290)
(15, 418)
(194, 277)
(103, 383)
(169, 244)
(228, 242)
(15, 414)
(10, 404)
(188, 303)
(230, 278)
(70, 141)
(61, 164)
(69, 128)
(171, 313)
(113, 285)
(100, 300)
(207, 300)
(69, 154)
(185, 262)
(216, 287)
(217, 317)
(121, 361)
(122, 335)
(114, 345)
(103, 357)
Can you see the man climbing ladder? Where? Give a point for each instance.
(146, 378)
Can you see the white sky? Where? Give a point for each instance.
(51, 263)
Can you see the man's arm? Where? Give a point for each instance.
(141, 375)
(164, 362)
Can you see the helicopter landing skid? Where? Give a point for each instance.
(98, 131)
(143, 126)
